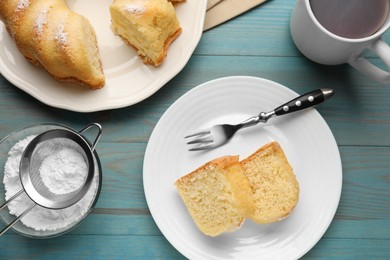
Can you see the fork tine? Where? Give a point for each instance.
(201, 141)
(198, 134)
(201, 148)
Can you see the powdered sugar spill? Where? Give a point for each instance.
(40, 218)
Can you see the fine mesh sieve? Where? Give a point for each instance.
(36, 152)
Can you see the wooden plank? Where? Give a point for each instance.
(156, 247)
(121, 210)
(359, 103)
(350, 249)
(88, 247)
(262, 31)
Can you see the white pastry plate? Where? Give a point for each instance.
(128, 80)
(305, 137)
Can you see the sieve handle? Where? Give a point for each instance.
(11, 199)
(17, 219)
(98, 135)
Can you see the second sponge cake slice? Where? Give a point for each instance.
(274, 185)
(217, 195)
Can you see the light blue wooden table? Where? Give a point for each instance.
(257, 43)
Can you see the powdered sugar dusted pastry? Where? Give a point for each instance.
(49, 34)
(149, 26)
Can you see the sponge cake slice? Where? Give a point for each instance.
(217, 195)
(274, 185)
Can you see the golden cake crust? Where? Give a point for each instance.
(50, 35)
(175, 2)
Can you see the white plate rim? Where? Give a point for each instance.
(192, 20)
(148, 176)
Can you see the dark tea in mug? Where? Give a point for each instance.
(352, 19)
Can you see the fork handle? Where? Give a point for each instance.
(304, 101)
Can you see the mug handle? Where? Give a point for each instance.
(382, 50)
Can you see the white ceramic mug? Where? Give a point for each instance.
(324, 47)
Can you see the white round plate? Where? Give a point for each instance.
(304, 136)
(128, 80)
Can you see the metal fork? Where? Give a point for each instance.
(221, 134)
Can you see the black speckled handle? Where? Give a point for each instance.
(304, 101)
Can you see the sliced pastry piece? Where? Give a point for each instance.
(217, 195)
(273, 182)
(49, 34)
(149, 26)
